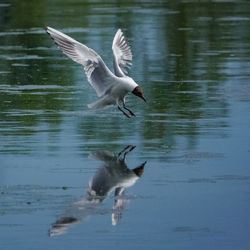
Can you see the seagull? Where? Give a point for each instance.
(111, 88)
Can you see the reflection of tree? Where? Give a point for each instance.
(35, 89)
(192, 86)
(180, 50)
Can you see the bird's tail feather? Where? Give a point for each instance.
(102, 103)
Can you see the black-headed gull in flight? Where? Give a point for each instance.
(112, 88)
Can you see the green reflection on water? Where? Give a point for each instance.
(183, 52)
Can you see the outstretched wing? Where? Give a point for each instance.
(122, 54)
(97, 72)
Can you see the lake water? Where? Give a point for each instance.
(192, 58)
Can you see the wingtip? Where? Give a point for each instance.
(51, 30)
(119, 32)
(48, 29)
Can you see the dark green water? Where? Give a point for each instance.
(192, 59)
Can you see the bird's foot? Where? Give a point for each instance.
(130, 112)
(126, 115)
(124, 112)
(125, 151)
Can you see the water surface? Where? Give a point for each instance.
(192, 60)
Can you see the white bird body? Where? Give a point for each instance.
(119, 88)
(112, 88)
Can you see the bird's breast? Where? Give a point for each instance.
(119, 91)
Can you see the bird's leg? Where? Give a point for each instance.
(123, 112)
(131, 148)
(124, 106)
(125, 151)
(131, 113)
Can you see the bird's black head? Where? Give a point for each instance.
(138, 92)
(139, 170)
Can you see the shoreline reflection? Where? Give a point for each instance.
(115, 176)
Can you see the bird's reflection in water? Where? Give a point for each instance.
(113, 176)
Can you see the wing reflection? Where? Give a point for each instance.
(115, 176)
